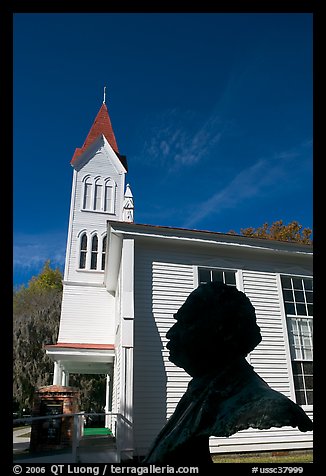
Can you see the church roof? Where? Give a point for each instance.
(101, 125)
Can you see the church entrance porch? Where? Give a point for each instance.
(85, 359)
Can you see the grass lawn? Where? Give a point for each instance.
(295, 457)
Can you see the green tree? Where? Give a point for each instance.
(92, 391)
(47, 279)
(292, 232)
(36, 318)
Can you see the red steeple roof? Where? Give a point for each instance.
(101, 125)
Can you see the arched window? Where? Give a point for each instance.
(109, 193)
(103, 252)
(94, 252)
(98, 196)
(83, 251)
(87, 193)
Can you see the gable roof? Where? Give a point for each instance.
(156, 231)
(101, 125)
(297, 257)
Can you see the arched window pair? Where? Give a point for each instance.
(99, 194)
(92, 252)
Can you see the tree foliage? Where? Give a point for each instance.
(292, 232)
(47, 279)
(36, 318)
(92, 391)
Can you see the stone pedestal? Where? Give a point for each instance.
(53, 433)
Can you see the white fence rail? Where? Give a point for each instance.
(118, 423)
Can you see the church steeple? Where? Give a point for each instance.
(101, 125)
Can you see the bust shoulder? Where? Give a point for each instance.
(249, 402)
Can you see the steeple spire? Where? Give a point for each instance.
(101, 125)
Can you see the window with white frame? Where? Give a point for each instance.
(98, 194)
(87, 193)
(94, 252)
(83, 251)
(109, 196)
(298, 305)
(206, 275)
(103, 252)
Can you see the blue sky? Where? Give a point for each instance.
(212, 110)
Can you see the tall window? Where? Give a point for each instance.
(205, 275)
(99, 194)
(103, 252)
(83, 251)
(98, 197)
(87, 193)
(298, 304)
(94, 252)
(109, 197)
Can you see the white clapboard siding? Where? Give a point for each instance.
(163, 280)
(270, 361)
(284, 438)
(178, 281)
(116, 390)
(100, 165)
(160, 289)
(262, 290)
(87, 315)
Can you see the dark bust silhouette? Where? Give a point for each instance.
(215, 330)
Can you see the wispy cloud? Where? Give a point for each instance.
(31, 251)
(261, 178)
(184, 138)
(180, 139)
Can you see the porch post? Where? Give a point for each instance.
(65, 378)
(57, 375)
(108, 418)
(127, 341)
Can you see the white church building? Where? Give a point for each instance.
(123, 282)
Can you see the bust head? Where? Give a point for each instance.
(215, 325)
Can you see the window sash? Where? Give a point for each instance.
(298, 305)
(94, 260)
(303, 382)
(297, 295)
(101, 197)
(103, 253)
(301, 338)
(87, 195)
(94, 252)
(98, 197)
(206, 275)
(108, 199)
(83, 251)
(82, 260)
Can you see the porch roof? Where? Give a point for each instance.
(82, 357)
